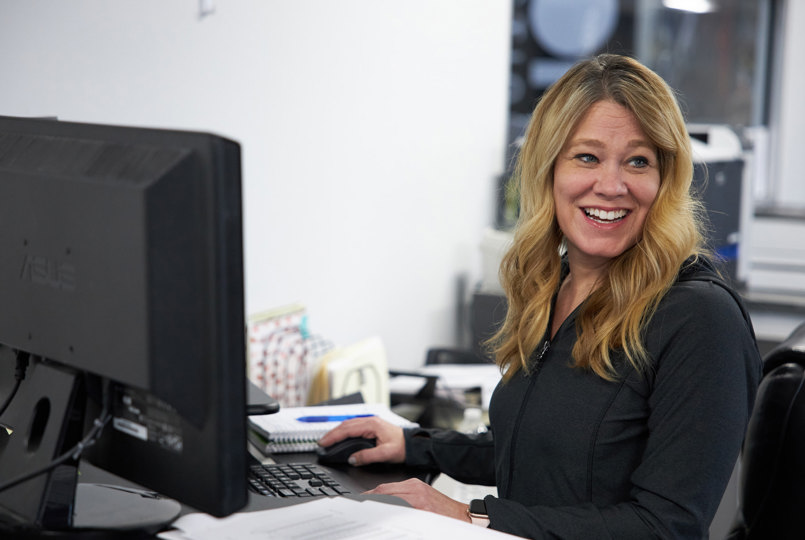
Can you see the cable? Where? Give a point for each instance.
(19, 374)
(73, 453)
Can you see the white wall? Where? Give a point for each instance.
(371, 132)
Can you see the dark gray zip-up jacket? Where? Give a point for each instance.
(645, 456)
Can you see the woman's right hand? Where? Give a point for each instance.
(390, 443)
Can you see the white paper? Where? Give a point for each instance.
(334, 518)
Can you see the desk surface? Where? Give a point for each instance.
(365, 477)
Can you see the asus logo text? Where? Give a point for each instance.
(42, 270)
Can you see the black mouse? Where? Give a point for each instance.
(339, 452)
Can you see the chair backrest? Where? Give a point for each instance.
(772, 489)
(790, 350)
(449, 355)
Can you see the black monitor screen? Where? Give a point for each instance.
(121, 278)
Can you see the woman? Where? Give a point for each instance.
(630, 369)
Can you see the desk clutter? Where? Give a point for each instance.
(282, 352)
(298, 429)
(298, 367)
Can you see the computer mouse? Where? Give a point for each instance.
(338, 453)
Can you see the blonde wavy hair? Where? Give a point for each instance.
(614, 315)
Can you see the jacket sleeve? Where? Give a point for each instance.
(466, 458)
(707, 370)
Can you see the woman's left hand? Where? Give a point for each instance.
(422, 496)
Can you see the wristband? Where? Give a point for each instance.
(477, 513)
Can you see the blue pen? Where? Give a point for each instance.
(336, 418)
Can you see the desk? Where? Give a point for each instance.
(363, 478)
(366, 477)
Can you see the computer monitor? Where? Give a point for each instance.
(121, 288)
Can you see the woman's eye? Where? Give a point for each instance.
(639, 162)
(587, 158)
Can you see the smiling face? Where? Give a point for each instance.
(606, 178)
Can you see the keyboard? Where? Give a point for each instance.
(293, 480)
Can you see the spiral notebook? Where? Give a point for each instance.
(298, 429)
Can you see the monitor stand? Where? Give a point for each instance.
(47, 417)
(106, 508)
(108, 512)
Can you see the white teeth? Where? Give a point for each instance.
(602, 215)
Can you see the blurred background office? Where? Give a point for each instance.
(376, 133)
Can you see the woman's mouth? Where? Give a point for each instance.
(605, 216)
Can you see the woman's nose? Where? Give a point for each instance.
(610, 182)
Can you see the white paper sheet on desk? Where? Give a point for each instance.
(332, 518)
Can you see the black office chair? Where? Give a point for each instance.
(452, 355)
(772, 492)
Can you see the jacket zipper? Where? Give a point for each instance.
(538, 364)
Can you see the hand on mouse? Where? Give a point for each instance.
(390, 443)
